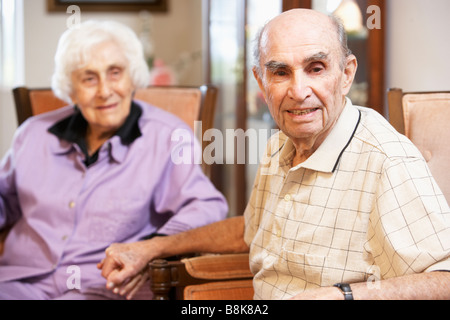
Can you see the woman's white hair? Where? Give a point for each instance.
(75, 47)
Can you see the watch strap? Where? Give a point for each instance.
(346, 290)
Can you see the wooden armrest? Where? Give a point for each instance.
(168, 277)
(219, 267)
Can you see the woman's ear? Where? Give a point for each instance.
(350, 68)
(73, 98)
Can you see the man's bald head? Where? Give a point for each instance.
(299, 18)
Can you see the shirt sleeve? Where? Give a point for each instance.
(186, 193)
(409, 227)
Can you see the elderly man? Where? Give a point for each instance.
(340, 199)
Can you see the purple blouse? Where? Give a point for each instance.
(66, 214)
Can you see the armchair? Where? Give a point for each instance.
(424, 117)
(207, 277)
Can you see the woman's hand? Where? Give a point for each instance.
(125, 267)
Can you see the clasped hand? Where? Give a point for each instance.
(125, 268)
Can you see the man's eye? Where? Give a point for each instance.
(280, 73)
(316, 68)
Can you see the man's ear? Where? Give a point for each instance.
(349, 73)
(257, 75)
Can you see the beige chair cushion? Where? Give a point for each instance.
(427, 124)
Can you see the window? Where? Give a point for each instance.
(232, 26)
(11, 66)
(11, 43)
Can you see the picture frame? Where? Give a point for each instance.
(109, 5)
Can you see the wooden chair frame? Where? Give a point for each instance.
(221, 273)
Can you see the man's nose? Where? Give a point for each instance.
(299, 88)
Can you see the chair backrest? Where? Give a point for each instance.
(31, 102)
(424, 117)
(188, 103)
(207, 277)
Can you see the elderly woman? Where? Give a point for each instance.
(93, 173)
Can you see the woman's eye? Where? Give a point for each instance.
(115, 73)
(89, 80)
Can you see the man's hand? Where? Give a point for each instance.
(125, 267)
(422, 286)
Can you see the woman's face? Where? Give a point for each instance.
(103, 89)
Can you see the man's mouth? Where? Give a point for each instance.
(302, 112)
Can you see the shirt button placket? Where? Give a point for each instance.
(72, 203)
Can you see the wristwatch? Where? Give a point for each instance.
(346, 290)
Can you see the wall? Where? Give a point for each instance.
(417, 45)
(42, 30)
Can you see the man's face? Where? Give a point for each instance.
(302, 76)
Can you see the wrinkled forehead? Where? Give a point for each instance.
(300, 34)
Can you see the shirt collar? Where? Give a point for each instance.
(73, 129)
(327, 156)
